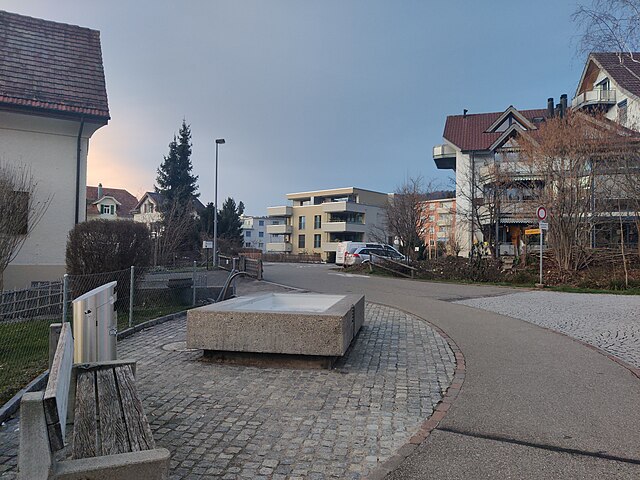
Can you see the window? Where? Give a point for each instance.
(107, 209)
(301, 243)
(247, 234)
(261, 223)
(301, 223)
(247, 244)
(275, 222)
(317, 221)
(622, 112)
(317, 239)
(261, 234)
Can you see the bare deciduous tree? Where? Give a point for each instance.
(171, 233)
(20, 211)
(610, 26)
(581, 159)
(404, 214)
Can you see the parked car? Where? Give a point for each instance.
(344, 247)
(356, 255)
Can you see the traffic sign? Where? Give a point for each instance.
(541, 213)
(544, 225)
(207, 244)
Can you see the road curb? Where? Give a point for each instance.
(438, 414)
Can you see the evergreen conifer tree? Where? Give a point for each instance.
(175, 180)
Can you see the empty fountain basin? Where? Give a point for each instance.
(282, 323)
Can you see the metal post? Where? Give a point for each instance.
(65, 296)
(193, 276)
(215, 214)
(540, 226)
(131, 284)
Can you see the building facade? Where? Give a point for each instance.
(255, 234)
(47, 116)
(317, 221)
(438, 226)
(104, 203)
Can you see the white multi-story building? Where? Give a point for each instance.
(255, 234)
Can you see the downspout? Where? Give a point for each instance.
(473, 193)
(78, 163)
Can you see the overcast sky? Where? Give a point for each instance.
(309, 95)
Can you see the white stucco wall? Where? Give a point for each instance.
(48, 147)
(633, 103)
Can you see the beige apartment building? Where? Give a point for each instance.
(315, 222)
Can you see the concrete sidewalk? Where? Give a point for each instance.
(534, 404)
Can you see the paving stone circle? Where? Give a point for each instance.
(238, 422)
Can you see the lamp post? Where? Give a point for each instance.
(219, 141)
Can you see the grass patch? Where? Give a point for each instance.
(24, 354)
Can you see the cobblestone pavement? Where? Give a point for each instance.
(235, 422)
(610, 322)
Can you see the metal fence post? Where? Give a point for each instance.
(131, 284)
(194, 283)
(65, 296)
(233, 263)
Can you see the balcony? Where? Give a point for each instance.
(279, 247)
(284, 211)
(336, 207)
(445, 157)
(279, 229)
(344, 227)
(594, 97)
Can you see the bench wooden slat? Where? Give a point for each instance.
(85, 427)
(56, 395)
(138, 426)
(112, 427)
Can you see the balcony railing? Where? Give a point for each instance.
(344, 227)
(594, 97)
(283, 211)
(279, 229)
(279, 247)
(330, 207)
(445, 156)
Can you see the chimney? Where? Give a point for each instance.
(563, 105)
(558, 108)
(464, 112)
(550, 107)
(99, 191)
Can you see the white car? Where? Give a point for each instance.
(356, 255)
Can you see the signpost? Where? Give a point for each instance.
(542, 216)
(207, 245)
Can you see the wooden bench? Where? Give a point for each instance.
(112, 438)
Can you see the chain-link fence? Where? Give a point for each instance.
(141, 295)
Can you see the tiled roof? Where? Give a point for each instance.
(622, 69)
(158, 199)
(51, 66)
(127, 201)
(469, 132)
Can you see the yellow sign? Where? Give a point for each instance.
(532, 231)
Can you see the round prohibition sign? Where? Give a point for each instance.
(541, 213)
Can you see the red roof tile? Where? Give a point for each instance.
(51, 66)
(469, 132)
(128, 202)
(622, 69)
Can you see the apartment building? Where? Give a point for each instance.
(610, 83)
(315, 222)
(438, 226)
(254, 232)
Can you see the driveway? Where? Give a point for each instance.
(534, 404)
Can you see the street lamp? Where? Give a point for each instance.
(219, 141)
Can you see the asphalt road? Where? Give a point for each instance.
(534, 404)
